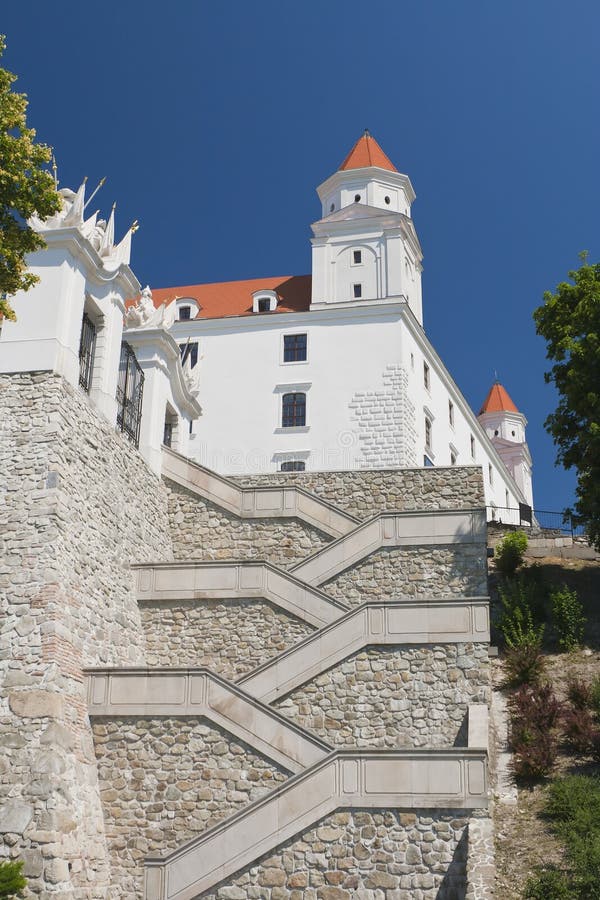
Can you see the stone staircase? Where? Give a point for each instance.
(322, 780)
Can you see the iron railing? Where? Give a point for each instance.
(130, 389)
(542, 518)
(87, 350)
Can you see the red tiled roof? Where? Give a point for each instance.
(498, 400)
(367, 152)
(234, 298)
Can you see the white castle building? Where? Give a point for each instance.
(335, 371)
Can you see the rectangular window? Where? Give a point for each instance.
(490, 474)
(472, 447)
(426, 379)
(293, 413)
(451, 412)
(357, 257)
(357, 289)
(427, 433)
(185, 313)
(264, 304)
(87, 350)
(294, 347)
(506, 499)
(189, 351)
(293, 465)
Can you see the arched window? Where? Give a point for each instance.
(293, 412)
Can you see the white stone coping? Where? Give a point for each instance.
(140, 691)
(256, 503)
(478, 726)
(427, 620)
(393, 529)
(225, 579)
(453, 778)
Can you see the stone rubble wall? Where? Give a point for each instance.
(165, 780)
(202, 530)
(365, 493)
(407, 572)
(199, 633)
(77, 504)
(365, 855)
(391, 698)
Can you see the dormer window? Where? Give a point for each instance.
(264, 301)
(185, 313)
(187, 308)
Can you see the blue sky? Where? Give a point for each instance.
(213, 120)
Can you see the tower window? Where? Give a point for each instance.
(387, 200)
(294, 347)
(357, 198)
(357, 290)
(472, 447)
(185, 313)
(451, 413)
(427, 433)
(490, 474)
(426, 379)
(293, 465)
(293, 412)
(357, 257)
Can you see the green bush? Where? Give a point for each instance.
(517, 624)
(574, 805)
(548, 884)
(568, 619)
(12, 881)
(524, 665)
(595, 695)
(509, 552)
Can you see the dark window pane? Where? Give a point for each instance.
(185, 312)
(189, 350)
(357, 290)
(293, 410)
(264, 304)
(293, 465)
(357, 256)
(294, 347)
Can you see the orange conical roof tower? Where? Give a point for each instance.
(367, 152)
(498, 400)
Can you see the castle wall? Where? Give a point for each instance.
(199, 633)
(78, 505)
(364, 854)
(164, 780)
(390, 698)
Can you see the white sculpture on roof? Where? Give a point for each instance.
(145, 315)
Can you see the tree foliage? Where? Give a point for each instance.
(25, 188)
(569, 320)
(12, 881)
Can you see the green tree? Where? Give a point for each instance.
(25, 188)
(569, 320)
(12, 881)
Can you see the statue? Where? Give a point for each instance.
(145, 315)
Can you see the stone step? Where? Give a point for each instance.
(256, 503)
(454, 778)
(421, 621)
(124, 692)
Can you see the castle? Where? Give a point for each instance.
(234, 680)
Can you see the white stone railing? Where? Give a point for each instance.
(403, 529)
(217, 580)
(455, 778)
(422, 621)
(198, 692)
(256, 503)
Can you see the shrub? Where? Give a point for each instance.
(548, 884)
(579, 729)
(595, 695)
(536, 706)
(534, 714)
(519, 629)
(580, 694)
(509, 552)
(567, 618)
(524, 665)
(12, 881)
(533, 757)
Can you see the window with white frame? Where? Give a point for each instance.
(357, 257)
(294, 348)
(428, 435)
(357, 291)
(426, 376)
(472, 447)
(293, 410)
(293, 465)
(451, 413)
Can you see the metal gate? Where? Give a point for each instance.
(129, 394)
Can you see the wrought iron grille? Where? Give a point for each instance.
(129, 394)
(87, 350)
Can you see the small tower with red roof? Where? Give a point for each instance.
(365, 247)
(505, 427)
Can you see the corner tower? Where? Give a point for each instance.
(505, 427)
(365, 247)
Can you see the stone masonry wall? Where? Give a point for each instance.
(77, 504)
(365, 492)
(165, 780)
(406, 572)
(200, 633)
(202, 530)
(366, 855)
(394, 697)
